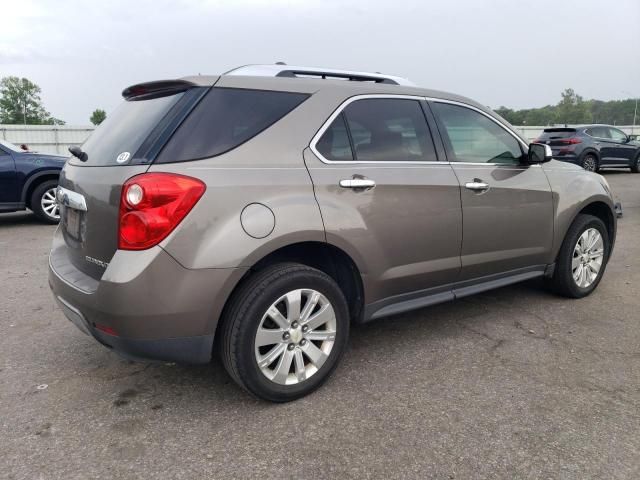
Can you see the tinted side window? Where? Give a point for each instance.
(334, 143)
(600, 132)
(473, 137)
(226, 118)
(385, 129)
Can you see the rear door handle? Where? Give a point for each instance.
(357, 183)
(477, 185)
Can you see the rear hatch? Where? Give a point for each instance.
(124, 145)
(557, 138)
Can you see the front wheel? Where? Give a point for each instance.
(635, 165)
(284, 332)
(44, 203)
(583, 257)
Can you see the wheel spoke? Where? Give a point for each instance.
(274, 353)
(284, 365)
(594, 266)
(316, 355)
(293, 305)
(575, 262)
(322, 316)
(312, 301)
(321, 335)
(266, 336)
(577, 273)
(277, 317)
(301, 373)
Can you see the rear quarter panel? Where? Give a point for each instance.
(573, 189)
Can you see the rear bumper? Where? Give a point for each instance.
(146, 305)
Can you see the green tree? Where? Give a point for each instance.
(20, 103)
(98, 116)
(572, 108)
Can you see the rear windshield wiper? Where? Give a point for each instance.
(78, 153)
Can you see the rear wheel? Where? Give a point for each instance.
(590, 162)
(583, 257)
(44, 203)
(284, 332)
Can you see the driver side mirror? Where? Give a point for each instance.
(539, 153)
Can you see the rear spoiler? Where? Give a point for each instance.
(142, 91)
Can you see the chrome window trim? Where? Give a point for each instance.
(348, 101)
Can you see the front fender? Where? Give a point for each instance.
(34, 178)
(573, 191)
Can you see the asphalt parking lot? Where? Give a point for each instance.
(513, 383)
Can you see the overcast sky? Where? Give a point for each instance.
(517, 53)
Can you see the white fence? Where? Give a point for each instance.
(58, 138)
(46, 138)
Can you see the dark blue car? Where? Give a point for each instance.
(29, 180)
(593, 147)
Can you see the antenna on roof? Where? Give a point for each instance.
(280, 63)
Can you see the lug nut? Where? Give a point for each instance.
(303, 342)
(285, 336)
(291, 346)
(294, 325)
(305, 328)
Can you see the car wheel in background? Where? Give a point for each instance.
(44, 203)
(284, 331)
(583, 257)
(635, 165)
(590, 162)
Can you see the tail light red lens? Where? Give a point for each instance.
(152, 205)
(570, 141)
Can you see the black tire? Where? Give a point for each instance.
(590, 163)
(244, 313)
(562, 281)
(36, 202)
(635, 165)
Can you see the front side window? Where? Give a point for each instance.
(600, 132)
(617, 135)
(474, 138)
(379, 130)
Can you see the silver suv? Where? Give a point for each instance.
(257, 213)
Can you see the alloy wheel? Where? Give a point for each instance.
(295, 336)
(49, 204)
(589, 163)
(588, 255)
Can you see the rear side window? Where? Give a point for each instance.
(599, 132)
(334, 144)
(379, 130)
(226, 118)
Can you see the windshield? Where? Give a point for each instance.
(9, 146)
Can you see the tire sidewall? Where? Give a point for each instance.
(248, 369)
(585, 223)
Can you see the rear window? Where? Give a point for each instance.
(225, 119)
(124, 130)
(549, 134)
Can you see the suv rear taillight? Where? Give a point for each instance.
(152, 205)
(570, 141)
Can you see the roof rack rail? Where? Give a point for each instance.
(282, 70)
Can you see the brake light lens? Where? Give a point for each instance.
(570, 141)
(152, 205)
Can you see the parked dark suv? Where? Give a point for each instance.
(593, 147)
(256, 214)
(29, 180)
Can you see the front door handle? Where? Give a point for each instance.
(357, 183)
(477, 185)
